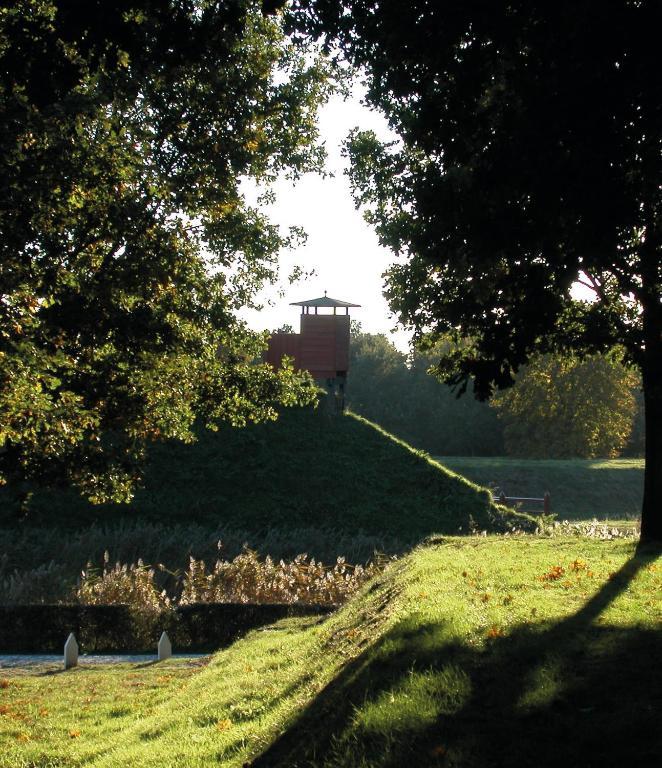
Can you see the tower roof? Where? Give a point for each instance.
(323, 301)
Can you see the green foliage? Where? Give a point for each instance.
(38, 559)
(636, 445)
(34, 581)
(563, 406)
(560, 405)
(519, 169)
(42, 559)
(470, 652)
(402, 395)
(377, 381)
(128, 627)
(126, 243)
(464, 425)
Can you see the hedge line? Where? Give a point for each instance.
(195, 628)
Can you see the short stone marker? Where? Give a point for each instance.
(70, 652)
(164, 647)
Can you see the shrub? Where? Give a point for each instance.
(122, 628)
(563, 406)
(128, 540)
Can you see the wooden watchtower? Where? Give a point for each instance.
(322, 345)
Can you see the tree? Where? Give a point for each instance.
(560, 406)
(126, 244)
(377, 383)
(399, 393)
(529, 160)
(563, 406)
(445, 424)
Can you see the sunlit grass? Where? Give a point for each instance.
(52, 717)
(468, 652)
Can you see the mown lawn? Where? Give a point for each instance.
(581, 489)
(468, 652)
(52, 717)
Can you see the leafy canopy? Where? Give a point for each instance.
(530, 158)
(126, 243)
(400, 394)
(565, 407)
(561, 405)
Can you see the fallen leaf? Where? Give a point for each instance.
(554, 573)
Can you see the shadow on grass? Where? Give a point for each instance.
(574, 693)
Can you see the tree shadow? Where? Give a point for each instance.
(576, 692)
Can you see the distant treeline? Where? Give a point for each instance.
(559, 407)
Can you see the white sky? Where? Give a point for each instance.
(341, 248)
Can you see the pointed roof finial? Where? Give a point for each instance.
(325, 293)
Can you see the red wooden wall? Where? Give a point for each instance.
(322, 347)
(281, 344)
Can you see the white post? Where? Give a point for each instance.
(70, 652)
(164, 647)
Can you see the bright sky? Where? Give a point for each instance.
(341, 248)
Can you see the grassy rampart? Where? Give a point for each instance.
(306, 470)
(468, 652)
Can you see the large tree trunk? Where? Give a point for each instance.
(651, 512)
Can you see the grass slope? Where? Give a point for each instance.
(469, 652)
(307, 469)
(581, 489)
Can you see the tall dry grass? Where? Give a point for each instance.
(246, 578)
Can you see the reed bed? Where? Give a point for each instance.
(190, 564)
